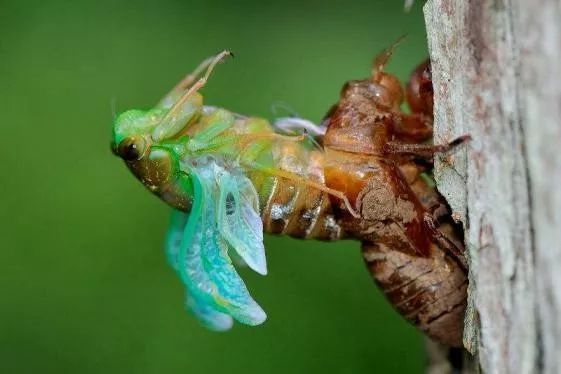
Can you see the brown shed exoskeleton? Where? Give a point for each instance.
(377, 155)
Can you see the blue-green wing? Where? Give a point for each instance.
(207, 314)
(202, 261)
(174, 235)
(239, 221)
(230, 293)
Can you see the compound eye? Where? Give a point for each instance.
(130, 149)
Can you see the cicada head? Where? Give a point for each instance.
(153, 161)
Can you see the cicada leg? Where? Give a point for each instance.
(424, 151)
(445, 243)
(416, 127)
(187, 106)
(172, 96)
(382, 58)
(198, 84)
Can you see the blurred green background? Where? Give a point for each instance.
(84, 283)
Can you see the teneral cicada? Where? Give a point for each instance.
(230, 177)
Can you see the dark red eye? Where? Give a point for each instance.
(130, 149)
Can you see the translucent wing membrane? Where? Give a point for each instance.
(288, 124)
(197, 246)
(239, 221)
(208, 316)
(174, 236)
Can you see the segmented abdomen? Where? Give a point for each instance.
(430, 292)
(294, 208)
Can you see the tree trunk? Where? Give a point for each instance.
(496, 68)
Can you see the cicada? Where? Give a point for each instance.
(230, 177)
(227, 177)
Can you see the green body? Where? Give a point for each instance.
(198, 160)
(165, 148)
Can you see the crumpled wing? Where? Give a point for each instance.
(239, 221)
(213, 286)
(209, 317)
(207, 314)
(174, 235)
(229, 293)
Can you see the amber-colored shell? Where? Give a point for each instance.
(419, 91)
(405, 226)
(430, 292)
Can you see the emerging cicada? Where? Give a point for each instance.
(227, 177)
(230, 177)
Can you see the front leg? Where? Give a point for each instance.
(416, 127)
(180, 88)
(186, 107)
(445, 243)
(424, 151)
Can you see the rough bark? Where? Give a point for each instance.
(496, 70)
